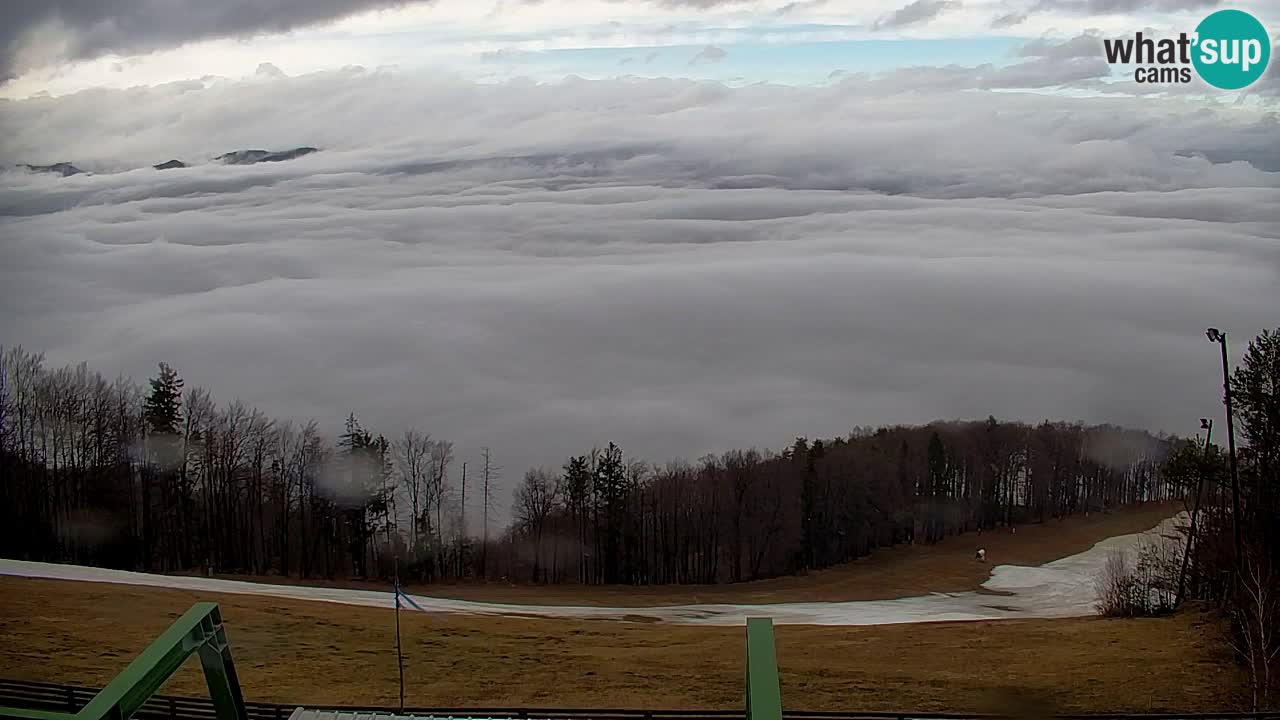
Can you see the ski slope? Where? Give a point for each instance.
(1062, 588)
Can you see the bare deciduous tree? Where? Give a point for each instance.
(1255, 629)
(413, 464)
(535, 500)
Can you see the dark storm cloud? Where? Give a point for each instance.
(91, 28)
(918, 12)
(543, 268)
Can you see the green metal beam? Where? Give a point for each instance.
(764, 696)
(220, 674)
(200, 631)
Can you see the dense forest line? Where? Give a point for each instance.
(1227, 556)
(159, 478)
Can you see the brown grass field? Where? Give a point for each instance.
(317, 652)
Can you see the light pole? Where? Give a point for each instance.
(1206, 424)
(1216, 335)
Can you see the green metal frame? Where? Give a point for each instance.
(764, 695)
(199, 630)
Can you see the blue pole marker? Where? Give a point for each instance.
(407, 600)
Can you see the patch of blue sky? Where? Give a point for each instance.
(749, 62)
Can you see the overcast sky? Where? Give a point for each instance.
(733, 224)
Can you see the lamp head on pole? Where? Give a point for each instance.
(1215, 335)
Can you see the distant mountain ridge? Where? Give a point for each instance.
(250, 157)
(235, 157)
(65, 169)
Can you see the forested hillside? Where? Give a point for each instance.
(161, 478)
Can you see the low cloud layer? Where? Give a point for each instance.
(676, 266)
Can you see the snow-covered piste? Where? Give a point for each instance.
(1062, 588)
